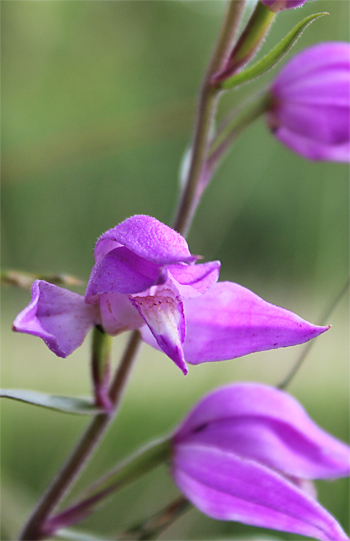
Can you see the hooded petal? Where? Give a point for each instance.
(162, 310)
(147, 238)
(58, 316)
(120, 271)
(230, 321)
(265, 424)
(194, 280)
(228, 487)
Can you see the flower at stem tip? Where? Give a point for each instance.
(248, 452)
(309, 109)
(280, 5)
(145, 278)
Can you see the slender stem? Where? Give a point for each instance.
(155, 525)
(208, 99)
(284, 384)
(84, 449)
(101, 366)
(132, 468)
(241, 118)
(250, 40)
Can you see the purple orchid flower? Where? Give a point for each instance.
(310, 105)
(249, 452)
(145, 277)
(280, 5)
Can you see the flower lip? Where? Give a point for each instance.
(147, 238)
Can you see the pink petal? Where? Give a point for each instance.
(230, 321)
(118, 314)
(267, 425)
(162, 310)
(311, 149)
(194, 280)
(228, 487)
(146, 237)
(121, 271)
(58, 316)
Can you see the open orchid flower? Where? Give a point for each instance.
(249, 452)
(145, 277)
(310, 103)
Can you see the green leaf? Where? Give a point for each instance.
(273, 57)
(66, 404)
(74, 535)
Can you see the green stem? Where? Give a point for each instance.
(33, 530)
(251, 38)
(133, 468)
(241, 118)
(156, 524)
(101, 366)
(284, 384)
(207, 104)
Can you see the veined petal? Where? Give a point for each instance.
(58, 316)
(227, 487)
(318, 59)
(230, 321)
(162, 310)
(194, 280)
(265, 424)
(120, 271)
(148, 238)
(118, 314)
(311, 149)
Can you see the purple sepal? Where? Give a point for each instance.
(147, 238)
(194, 280)
(121, 271)
(267, 425)
(234, 453)
(310, 105)
(58, 316)
(280, 5)
(230, 321)
(225, 486)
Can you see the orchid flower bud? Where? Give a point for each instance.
(248, 452)
(310, 103)
(281, 5)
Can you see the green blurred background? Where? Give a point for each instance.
(97, 109)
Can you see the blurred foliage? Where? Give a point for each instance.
(97, 110)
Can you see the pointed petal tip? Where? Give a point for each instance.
(184, 369)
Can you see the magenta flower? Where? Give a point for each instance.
(249, 452)
(280, 5)
(310, 106)
(145, 277)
